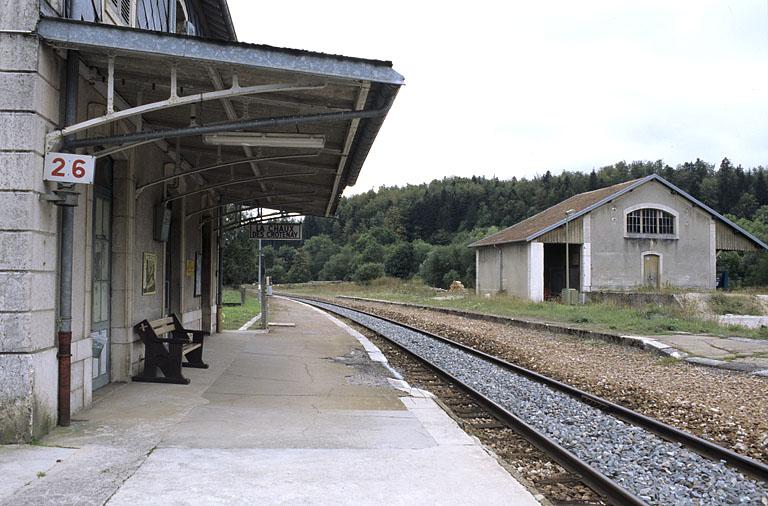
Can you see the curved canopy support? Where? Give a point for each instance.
(141, 188)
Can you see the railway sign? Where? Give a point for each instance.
(69, 168)
(276, 231)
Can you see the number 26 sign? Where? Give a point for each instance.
(69, 168)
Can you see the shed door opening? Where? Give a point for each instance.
(652, 271)
(554, 268)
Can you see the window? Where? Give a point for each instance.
(121, 10)
(650, 221)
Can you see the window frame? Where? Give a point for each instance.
(114, 13)
(658, 221)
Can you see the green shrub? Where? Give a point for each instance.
(367, 272)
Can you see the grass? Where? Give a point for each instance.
(231, 296)
(40, 474)
(235, 316)
(648, 320)
(721, 303)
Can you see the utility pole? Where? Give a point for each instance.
(568, 256)
(262, 284)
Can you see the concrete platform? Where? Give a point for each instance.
(301, 415)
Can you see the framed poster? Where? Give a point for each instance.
(198, 275)
(149, 274)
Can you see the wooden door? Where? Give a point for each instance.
(652, 271)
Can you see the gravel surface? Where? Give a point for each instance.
(725, 407)
(657, 471)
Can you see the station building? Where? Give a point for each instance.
(645, 233)
(183, 121)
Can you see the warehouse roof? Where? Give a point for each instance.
(554, 217)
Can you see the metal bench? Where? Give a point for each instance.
(166, 344)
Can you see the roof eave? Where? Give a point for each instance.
(68, 33)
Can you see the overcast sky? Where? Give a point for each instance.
(518, 88)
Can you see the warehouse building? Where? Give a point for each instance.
(182, 120)
(645, 233)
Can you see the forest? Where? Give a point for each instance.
(423, 230)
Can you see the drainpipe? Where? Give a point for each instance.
(67, 201)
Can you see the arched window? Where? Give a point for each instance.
(650, 221)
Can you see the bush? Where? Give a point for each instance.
(340, 266)
(445, 262)
(368, 272)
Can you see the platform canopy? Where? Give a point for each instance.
(278, 128)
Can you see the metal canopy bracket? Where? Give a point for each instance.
(55, 138)
(140, 188)
(237, 181)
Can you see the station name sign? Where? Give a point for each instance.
(276, 231)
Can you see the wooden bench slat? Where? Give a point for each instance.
(164, 329)
(162, 321)
(191, 347)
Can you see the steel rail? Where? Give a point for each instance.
(592, 477)
(713, 451)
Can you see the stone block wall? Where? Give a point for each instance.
(29, 107)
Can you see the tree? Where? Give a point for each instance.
(400, 262)
(447, 261)
(761, 187)
(746, 206)
(240, 258)
(340, 266)
(374, 252)
(300, 271)
(319, 249)
(593, 182)
(367, 272)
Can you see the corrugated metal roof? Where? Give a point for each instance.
(554, 217)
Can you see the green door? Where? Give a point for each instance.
(651, 271)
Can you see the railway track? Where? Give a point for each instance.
(624, 456)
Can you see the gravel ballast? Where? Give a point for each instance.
(655, 470)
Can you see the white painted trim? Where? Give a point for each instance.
(477, 271)
(642, 266)
(650, 205)
(250, 322)
(712, 255)
(501, 268)
(586, 267)
(586, 228)
(536, 271)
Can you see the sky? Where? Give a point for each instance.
(513, 89)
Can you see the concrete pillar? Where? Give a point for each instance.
(586, 254)
(29, 105)
(712, 255)
(124, 270)
(536, 271)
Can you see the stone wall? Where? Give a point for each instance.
(29, 106)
